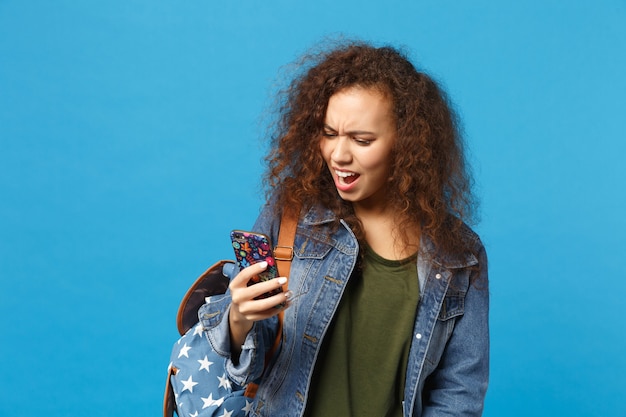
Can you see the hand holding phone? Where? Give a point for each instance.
(251, 248)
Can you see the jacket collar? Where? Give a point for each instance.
(445, 259)
(318, 215)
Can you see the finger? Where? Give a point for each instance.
(257, 290)
(262, 287)
(270, 303)
(267, 307)
(245, 274)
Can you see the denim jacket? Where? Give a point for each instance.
(448, 364)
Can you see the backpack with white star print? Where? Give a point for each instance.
(197, 384)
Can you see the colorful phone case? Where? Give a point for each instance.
(251, 248)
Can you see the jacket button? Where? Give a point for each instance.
(418, 336)
(438, 276)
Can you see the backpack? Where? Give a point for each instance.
(197, 384)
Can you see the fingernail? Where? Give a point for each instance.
(289, 294)
(263, 264)
(282, 280)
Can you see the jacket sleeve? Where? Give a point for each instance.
(459, 384)
(214, 317)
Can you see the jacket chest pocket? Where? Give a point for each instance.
(453, 306)
(306, 247)
(454, 302)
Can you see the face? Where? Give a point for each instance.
(359, 133)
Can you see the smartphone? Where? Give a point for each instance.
(251, 248)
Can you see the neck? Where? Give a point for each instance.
(382, 233)
(367, 212)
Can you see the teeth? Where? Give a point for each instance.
(344, 174)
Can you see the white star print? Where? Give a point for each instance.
(248, 407)
(224, 382)
(184, 351)
(187, 354)
(189, 384)
(205, 364)
(208, 401)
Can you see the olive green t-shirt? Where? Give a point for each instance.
(362, 364)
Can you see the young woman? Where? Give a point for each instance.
(387, 308)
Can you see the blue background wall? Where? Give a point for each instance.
(124, 126)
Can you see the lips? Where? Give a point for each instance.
(345, 179)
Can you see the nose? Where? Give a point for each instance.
(341, 152)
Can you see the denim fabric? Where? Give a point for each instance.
(448, 366)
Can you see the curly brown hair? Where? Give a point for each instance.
(431, 184)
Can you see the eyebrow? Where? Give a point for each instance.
(352, 132)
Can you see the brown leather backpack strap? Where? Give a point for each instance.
(169, 401)
(283, 251)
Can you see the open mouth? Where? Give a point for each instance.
(346, 178)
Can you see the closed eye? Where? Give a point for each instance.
(356, 136)
(329, 132)
(363, 142)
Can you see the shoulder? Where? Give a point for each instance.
(467, 251)
(472, 240)
(475, 250)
